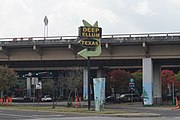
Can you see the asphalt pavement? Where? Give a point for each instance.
(130, 109)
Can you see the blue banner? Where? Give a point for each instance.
(147, 93)
(99, 93)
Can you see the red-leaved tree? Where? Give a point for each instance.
(119, 79)
(168, 78)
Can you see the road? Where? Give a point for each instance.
(37, 115)
(114, 118)
(165, 112)
(28, 115)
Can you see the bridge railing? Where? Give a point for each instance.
(141, 35)
(174, 36)
(38, 38)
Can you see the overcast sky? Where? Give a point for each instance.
(20, 18)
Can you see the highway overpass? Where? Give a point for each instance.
(148, 51)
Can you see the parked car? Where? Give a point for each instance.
(112, 99)
(28, 98)
(130, 98)
(46, 98)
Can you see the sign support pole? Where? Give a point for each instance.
(89, 79)
(90, 36)
(34, 94)
(38, 97)
(53, 93)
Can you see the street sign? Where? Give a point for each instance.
(88, 43)
(34, 80)
(39, 85)
(131, 84)
(131, 80)
(90, 32)
(90, 36)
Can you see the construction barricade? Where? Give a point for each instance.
(6, 101)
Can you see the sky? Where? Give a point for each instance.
(24, 18)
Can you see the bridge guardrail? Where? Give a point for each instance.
(112, 38)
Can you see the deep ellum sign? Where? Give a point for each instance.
(90, 32)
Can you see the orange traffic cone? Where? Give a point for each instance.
(1, 101)
(10, 100)
(177, 104)
(77, 104)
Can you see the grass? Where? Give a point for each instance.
(63, 109)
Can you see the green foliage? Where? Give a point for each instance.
(71, 80)
(74, 79)
(48, 87)
(137, 76)
(145, 95)
(7, 77)
(177, 76)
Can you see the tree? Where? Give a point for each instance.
(48, 87)
(7, 78)
(177, 83)
(137, 76)
(119, 79)
(72, 80)
(168, 78)
(178, 76)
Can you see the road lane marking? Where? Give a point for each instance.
(14, 115)
(30, 116)
(47, 115)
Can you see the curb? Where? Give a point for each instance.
(103, 115)
(135, 115)
(124, 115)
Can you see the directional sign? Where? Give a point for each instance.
(34, 80)
(91, 32)
(131, 85)
(89, 43)
(131, 80)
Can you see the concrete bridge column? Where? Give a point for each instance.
(85, 84)
(147, 81)
(100, 72)
(157, 91)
